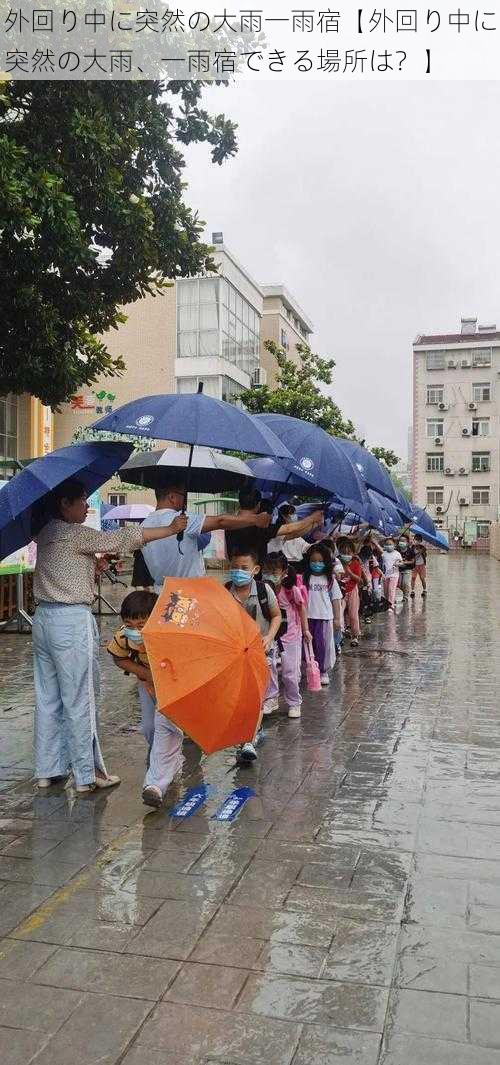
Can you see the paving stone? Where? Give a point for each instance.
(315, 1002)
(362, 953)
(19, 1047)
(185, 1035)
(485, 1023)
(216, 986)
(38, 1009)
(328, 1046)
(422, 1013)
(96, 971)
(485, 981)
(18, 961)
(96, 1033)
(173, 931)
(407, 1050)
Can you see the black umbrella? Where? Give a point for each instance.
(209, 471)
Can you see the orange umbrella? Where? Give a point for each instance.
(208, 663)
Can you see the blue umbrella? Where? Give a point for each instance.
(369, 468)
(21, 500)
(390, 514)
(404, 505)
(318, 458)
(192, 418)
(423, 519)
(271, 475)
(437, 539)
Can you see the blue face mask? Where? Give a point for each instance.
(240, 577)
(317, 567)
(132, 634)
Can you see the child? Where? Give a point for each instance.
(391, 560)
(323, 606)
(420, 569)
(259, 601)
(352, 581)
(164, 739)
(292, 597)
(407, 566)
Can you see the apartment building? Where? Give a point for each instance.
(26, 431)
(283, 321)
(456, 427)
(200, 329)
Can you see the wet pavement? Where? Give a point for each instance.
(351, 912)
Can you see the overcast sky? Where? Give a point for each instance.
(377, 206)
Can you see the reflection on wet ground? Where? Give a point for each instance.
(350, 914)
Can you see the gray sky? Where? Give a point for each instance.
(377, 206)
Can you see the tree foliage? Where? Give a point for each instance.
(297, 393)
(385, 455)
(92, 218)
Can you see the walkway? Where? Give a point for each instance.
(351, 913)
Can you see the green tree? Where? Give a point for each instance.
(92, 218)
(297, 393)
(385, 455)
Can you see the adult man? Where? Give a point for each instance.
(257, 539)
(293, 548)
(185, 559)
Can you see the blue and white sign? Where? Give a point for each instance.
(231, 806)
(192, 800)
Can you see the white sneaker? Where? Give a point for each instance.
(270, 706)
(354, 641)
(246, 753)
(152, 796)
(294, 711)
(44, 782)
(325, 680)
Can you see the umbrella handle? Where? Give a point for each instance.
(180, 535)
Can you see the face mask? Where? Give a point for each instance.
(403, 545)
(132, 634)
(317, 567)
(346, 558)
(389, 547)
(240, 577)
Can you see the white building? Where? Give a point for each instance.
(456, 427)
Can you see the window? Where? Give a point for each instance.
(435, 393)
(435, 496)
(483, 529)
(8, 427)
(481, 393)
(481, 462)
(117, 499)
(284, 340)
(481, 495)
(435, 427)
(480, 426)
(435, 463)
(211, 385)
(481, 357)
(435, 360)
(231, 390)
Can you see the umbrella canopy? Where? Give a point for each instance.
(390, 516)
(404, 505)
(369, 468)
(209, 472)
(21, 500)
(208, 663)
(437, 539)
(318, 458)
(271, 475)
(192, 418)
(423, 520)
(129, 512)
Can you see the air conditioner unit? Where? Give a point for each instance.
(259, 377)
(465, 364)
(438, 441)
(443, 406)
(439, 510)
(472, 406)
(463, 472)
(463, 501)
(465, 431)
(452, 364)
(449, 471)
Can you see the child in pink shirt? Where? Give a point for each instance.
(292, 598)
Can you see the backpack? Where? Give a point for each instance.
(263, 598)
